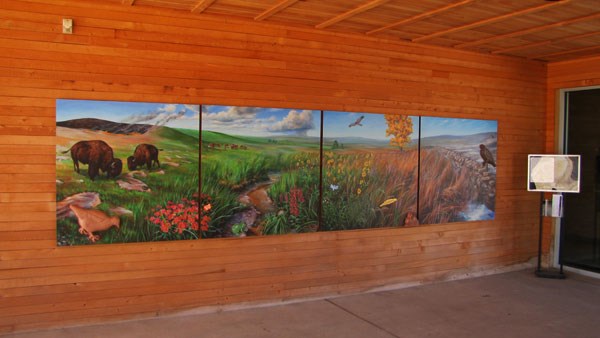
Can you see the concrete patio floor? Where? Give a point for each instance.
(514, 304)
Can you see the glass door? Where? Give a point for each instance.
(580, 225)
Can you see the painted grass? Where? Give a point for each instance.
(355, 184)
(445, 190)
(226, 173)
(175, 184)
(295, 196)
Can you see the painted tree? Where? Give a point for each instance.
(400, 127)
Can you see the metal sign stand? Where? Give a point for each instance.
(553, 209)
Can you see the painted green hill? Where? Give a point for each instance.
(222, 138)
(175, 137)
(294, 141)
(190, 132)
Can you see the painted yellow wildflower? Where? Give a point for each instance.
(358, 191)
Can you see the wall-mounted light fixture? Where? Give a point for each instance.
(67, 26)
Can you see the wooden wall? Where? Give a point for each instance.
(143, 54)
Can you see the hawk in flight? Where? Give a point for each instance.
(357, 122)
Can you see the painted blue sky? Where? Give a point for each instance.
(336, 124)
(171, 115)
(436, 126)
(251, 121)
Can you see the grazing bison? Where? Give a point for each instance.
(98, 156)
(144, 154)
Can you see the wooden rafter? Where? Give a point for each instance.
(420, 16)
(565, 52)
(278, 7)
(544, 43)
(529, 30)
(202, 5)
(128, 2)
(529, 45)
(491, 20)
(362, 8)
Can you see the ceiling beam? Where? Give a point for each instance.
(128, 2)
(419, 16)
(565, 52)
(529, 45)
(362, 8)
(278, 7)
(529, 30)
(491, 20)
(544, 43)
(202, 5)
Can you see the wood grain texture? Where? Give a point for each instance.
(355, 11)
(202, 5)
(420, 16)
(491, 20)
(278, 7)
(482, 26)
(146, 54)
(531, 30)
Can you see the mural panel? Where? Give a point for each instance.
(458, 170)
(127, 172)
(260, 170)
(370, 173)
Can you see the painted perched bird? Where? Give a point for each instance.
(487, 156)
(357, 122)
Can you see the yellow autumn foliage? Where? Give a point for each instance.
(400, 127)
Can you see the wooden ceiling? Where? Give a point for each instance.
(534, 29)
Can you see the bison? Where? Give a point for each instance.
(143, 154)
(98, 156)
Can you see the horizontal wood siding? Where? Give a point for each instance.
(142, 54)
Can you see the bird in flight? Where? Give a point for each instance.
(357, 122)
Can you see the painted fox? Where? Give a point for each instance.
(91, 220)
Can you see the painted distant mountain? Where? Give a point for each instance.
(490, 139)
(104, 125)
(356, 140)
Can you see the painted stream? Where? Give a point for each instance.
(257, 199)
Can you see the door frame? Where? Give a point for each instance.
(559, 141)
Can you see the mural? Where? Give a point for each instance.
(127, 172)
(136, 172)
(370, 164)
(458, 170)
(260, 170)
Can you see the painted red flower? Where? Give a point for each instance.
(183, 216)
